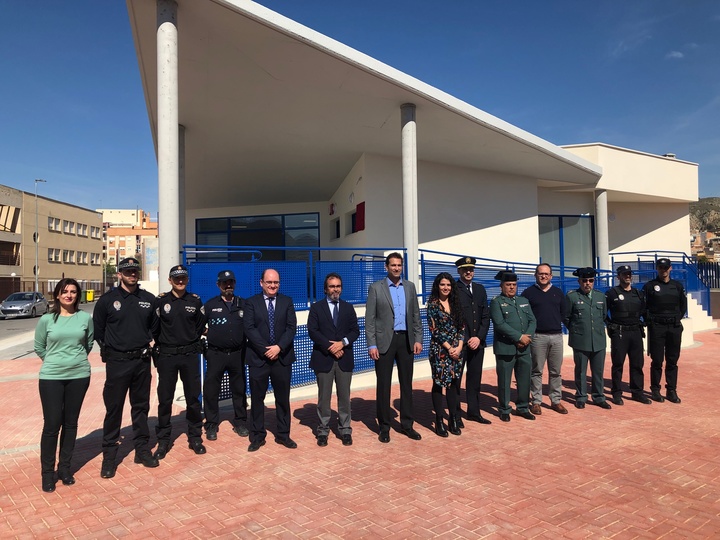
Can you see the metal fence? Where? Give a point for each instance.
(709, 273)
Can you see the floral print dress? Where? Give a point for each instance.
(442, 329)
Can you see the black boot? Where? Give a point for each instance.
(48, 482)
(655, 396)
(440, 426)
(672, 396)
(453, 426)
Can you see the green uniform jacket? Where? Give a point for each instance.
(511, 317)
(586, 320)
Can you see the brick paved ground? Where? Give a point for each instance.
(636, 471)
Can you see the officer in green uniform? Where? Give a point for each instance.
(514, 325)
(586, 310)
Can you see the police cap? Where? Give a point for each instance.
(128, 264)
(587, 272)
(178, 271)
(226, 275)
(624, 269)
(465, 262)
(663, 262)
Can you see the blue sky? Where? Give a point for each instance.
(642, 74)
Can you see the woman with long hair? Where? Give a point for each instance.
(447, 330)
(63, 340)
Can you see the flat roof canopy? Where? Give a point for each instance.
(275, 112)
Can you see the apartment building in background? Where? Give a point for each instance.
(130, 233)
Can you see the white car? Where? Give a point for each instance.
(23, 304)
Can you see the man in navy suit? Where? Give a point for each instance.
(332, 326)
(394, 334)
(270, 325)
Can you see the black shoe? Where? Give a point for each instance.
(672, 396)
(505, 417)
(479, 418)
(579, 404)
(147, 459)
(642, 399)
(347, 439)
(162, 450)
(65, 477)
(255, 446)
(287, 443)
(197, 446)
(322, 440)
(107, 469)
(655, 396)
(527, 415)
(460, 422)
(604, 405)
(453, 426)
(48, 482)
(384, 437)
(241, 430)
(411, 433)
(440, 429)
(618, 400)
(211, 432)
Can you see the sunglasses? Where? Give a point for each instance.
(588, 280)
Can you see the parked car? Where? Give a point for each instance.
(23, 304)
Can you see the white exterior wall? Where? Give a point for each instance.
(555, 202)
(650, 226)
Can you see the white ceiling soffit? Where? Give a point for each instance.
(276, 112)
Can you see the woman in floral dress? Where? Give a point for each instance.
(446, 342)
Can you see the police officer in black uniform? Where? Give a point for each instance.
(666, 306)
(226, 352)
(626, 307)
(179, 323)
(122, 319)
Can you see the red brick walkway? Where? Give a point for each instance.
(636, 471)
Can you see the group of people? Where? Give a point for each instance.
(133, 328)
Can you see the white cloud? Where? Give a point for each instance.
(674, 55)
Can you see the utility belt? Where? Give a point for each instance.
(196, 347)
(224, 351)
(111, 354)
(664, 320)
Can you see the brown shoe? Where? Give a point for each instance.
(535, 409)
(558, 408)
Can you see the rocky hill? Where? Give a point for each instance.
(705, 215)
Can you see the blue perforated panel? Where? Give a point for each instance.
(356, 276)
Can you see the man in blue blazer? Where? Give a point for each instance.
(394, 334)
(270, 325)
(332, 326)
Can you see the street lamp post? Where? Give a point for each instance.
(37, 239)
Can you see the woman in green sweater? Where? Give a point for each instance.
(63, 339)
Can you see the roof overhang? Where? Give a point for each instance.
(276, 112)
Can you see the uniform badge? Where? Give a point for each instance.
(117, 305)
(657, 288)
(241, 313)
(202, 310)
(189, 309)
(166, 308)
(621, 297)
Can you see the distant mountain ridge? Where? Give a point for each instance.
(705, 214)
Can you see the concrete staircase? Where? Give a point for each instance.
(698, 320)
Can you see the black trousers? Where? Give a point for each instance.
(664, 342)
(400, 353)
(123, 376)
(61, 403)
(188, 367)
(473, 363)
(217, 364)
(279, 375)
(627, 343)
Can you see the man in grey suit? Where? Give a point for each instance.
(394, 334)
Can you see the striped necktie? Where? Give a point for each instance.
(271, 320)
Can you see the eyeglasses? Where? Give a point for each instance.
(588, 280)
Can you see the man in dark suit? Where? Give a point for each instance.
(394, 333)
(270, 325)
(332, 326)
(473, 299)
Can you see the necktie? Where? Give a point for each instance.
(470, 288)
(335, 313)
(271, 320)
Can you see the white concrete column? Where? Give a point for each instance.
(409, 190)
(602, 239)
(181, 185)
(167, 138)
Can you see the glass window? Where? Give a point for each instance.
(256, 222)
(567, 240)
(211, 225)
(301, 221)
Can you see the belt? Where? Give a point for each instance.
(400, 332)
(549, 333)
(183, 349)
(225, 351)
(664, 320)
(127, 355)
